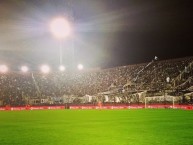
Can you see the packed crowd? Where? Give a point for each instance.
(156, 75)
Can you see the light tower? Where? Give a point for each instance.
(61, 28)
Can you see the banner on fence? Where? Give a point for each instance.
(8, 108)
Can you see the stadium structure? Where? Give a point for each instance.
(149, 102)
(165, 82)
(161, 82)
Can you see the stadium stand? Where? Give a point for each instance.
(154, 78)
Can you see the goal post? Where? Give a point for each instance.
(164, 101)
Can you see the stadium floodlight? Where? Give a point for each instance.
(80, 66)
(60, 28)
(24, 69)
(168, 79)
(62, 68)
(45, 69)
(3, 68)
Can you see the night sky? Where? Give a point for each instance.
(106, 33)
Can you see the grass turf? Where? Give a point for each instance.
(97, 127)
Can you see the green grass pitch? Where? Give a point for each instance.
(97, 127)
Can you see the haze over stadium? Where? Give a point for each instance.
(106, 33)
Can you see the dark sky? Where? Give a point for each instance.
(106, 33)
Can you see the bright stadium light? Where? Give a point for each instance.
(3, 68)
(45, 69)
(24, 69)
(60, 28)
(62, 68)
(80, 66)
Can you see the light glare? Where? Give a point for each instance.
(80, 67)
(45, 69)
(62, 68)
(3, 68)
(60, 28)
(24, 69)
